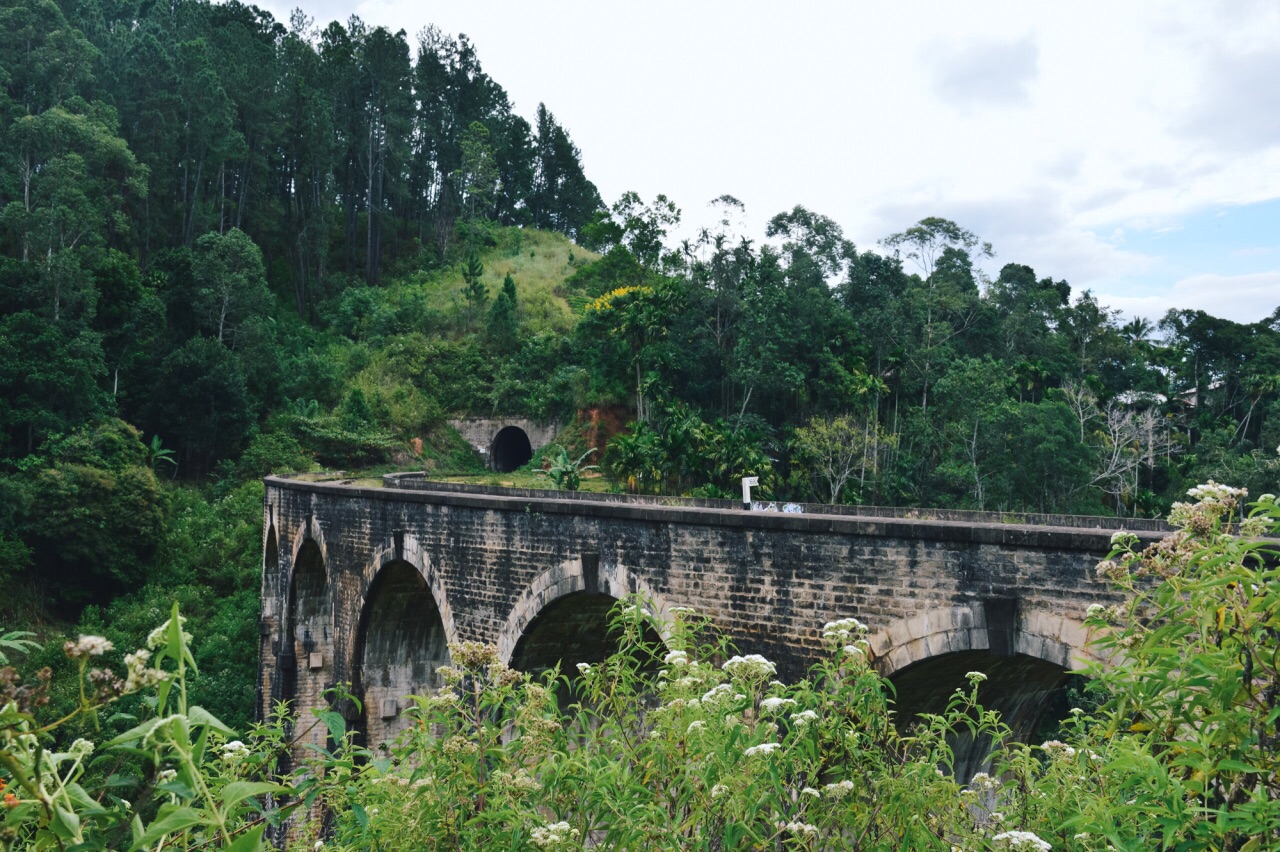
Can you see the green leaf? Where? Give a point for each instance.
(175, 820)
(1231, 765)
(250, 841)
(177, 788)
(65, 824)
(198, 747)
(138, 732)
(201, 716)
(118, 780)
(237, 791)
(85, 804)
(334, 722)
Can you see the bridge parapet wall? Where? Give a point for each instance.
(418, 481)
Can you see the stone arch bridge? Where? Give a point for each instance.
(368, 585)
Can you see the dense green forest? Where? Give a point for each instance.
(230, 246)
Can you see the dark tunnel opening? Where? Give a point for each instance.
(1019, 687)
(511, 449)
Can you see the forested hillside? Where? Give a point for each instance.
(231, 246)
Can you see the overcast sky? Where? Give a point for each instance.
(1130, 148)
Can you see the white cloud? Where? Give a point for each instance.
(978, 74)
(1241, 298)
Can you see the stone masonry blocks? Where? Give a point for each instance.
(492, 562)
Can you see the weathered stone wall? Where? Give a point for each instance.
(490, 563)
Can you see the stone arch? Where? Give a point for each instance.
(578, 575)
(402, 639)
(305, 660)
(562, 619)
(510, 449)
(269, 680)
(1053, 638)
(1025, 657)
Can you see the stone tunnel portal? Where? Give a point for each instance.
(511, 449)
(401, 645)
(1020, 687)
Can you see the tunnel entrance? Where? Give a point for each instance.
(510, 449)
(1020, 687)
(401, 646)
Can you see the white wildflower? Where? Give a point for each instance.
(695, 725)
(804, 718)
(841, 631)
(773, 705)
(718, 790)
(88, 646)
(164, 776)
(838, 790)
(234, 752)
(160, 636)
(555, 834)
(1123, 538)
(809, 791)
(717, 692)
(1215, 492)
(584, 668)
(140, 673)
(1021, 840)
(676, 658)
(764, 749)
(975, 677)
(1058, 750)
(982, 782)
(752, 667)
(804, 829)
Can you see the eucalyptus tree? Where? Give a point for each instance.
(945, 296)
(562, 198)
(387, 116)
(304, 181)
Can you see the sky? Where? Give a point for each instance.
(1130, 148)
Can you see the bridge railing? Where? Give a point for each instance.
(417, 481)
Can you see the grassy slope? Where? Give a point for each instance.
(538, 262)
